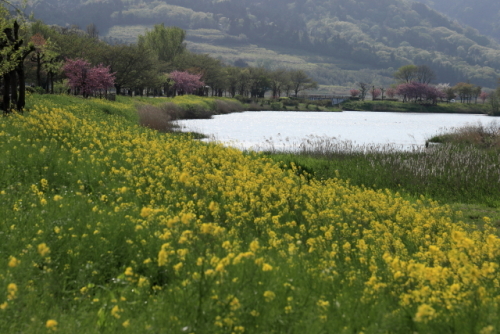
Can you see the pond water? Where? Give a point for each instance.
(255, 130)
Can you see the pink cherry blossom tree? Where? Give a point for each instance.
(376, 93)
(483, 96)
(415, 91)
(86, 80)
(390, 92)
(354, 92)
(186, 83)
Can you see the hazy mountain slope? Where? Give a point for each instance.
(483, 15)
(380, 36)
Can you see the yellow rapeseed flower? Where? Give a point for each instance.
(11, 291)
(115, 311)
(43, 250)
(13, 262)
(267, 267)
(269, 296)
(51, 324)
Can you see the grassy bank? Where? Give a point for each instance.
(292, 104)
(394, 106)
(460, 169)
(109, 227)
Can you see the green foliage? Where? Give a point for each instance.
(413, 107)
(167, 43)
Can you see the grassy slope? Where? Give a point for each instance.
(108, 227)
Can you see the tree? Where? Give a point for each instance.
(167, 43)
(376, 93)
(465, 91)
(232, 78)
(278, 79)
(363, 89)
(92, 31)
(354, 92)
(85, 79)
(186, 83)
(258, 80)
(406, 74)
(135, 66)
(420, 92)
(483, 96)
(476, 92)
(12, 56)
(425, 74)
(495, 103)
(210, 68)
(45, 57)
(301, 81)
(390, 92)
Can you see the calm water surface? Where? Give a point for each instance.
(254, 130)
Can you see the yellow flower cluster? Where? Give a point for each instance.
(160, 218)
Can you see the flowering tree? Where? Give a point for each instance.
(45, 58)
(483, 96)
(85, 79)
(102, 78)
(355, 92)
(186, 83)
(420, 92)
(391, 92)
(376, 93)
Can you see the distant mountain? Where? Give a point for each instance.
(483, 15)
(339, 36)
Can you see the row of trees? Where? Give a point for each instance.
(413, 84)
(56, 59)
(146, 67)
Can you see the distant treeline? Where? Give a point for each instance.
(52, 53)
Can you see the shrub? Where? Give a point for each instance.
(155, 118)
(226, 107)
(193, 111)
(275, 106)
(173, 110)
(255, 107)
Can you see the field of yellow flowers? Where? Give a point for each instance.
(107, 227)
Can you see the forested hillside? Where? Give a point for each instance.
(342, 38)
(483, 15)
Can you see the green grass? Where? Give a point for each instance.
(471, 108)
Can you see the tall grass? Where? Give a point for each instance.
(447, 172)
(478, 135)
(159, 115)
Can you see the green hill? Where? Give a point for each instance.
(483, 15)
(339, 42)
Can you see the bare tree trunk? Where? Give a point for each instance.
(6, 93)
(21, 102)
(13, 89)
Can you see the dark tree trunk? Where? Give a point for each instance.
(6, 93)
(21, 102)
(51, 76)
(38, 70)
